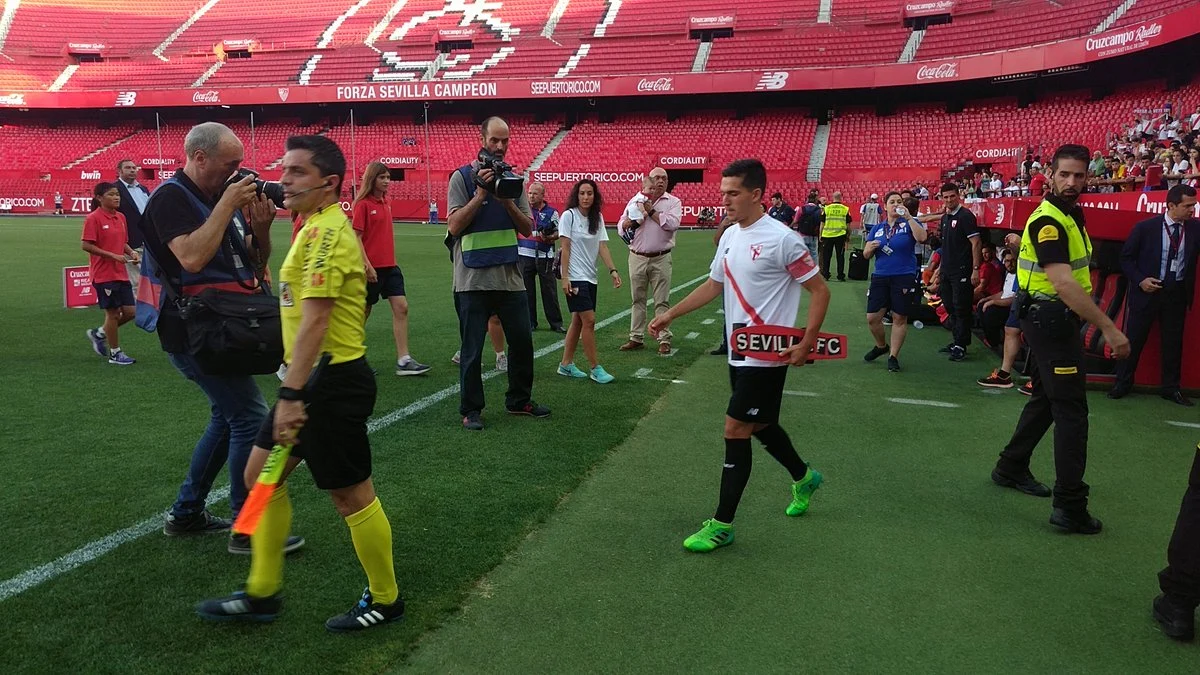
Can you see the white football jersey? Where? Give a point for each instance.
(761, 267)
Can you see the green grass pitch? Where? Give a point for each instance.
(555, 545)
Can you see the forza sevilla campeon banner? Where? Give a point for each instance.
(1180, 24)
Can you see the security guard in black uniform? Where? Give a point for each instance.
(1175, 609)
(1055, 295)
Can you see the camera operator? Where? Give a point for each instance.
(191, 225)
(484, 227)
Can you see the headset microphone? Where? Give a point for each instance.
(318, 187)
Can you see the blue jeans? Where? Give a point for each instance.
(238, 410)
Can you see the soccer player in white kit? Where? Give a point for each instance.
(760, 267)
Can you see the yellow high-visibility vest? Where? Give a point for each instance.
(837, 217)
(1031, 276)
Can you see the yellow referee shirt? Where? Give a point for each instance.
(325, 261)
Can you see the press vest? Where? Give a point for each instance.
(1031, 276)
(836, 217)
(490, 239)
(229, 269)
(533, 246)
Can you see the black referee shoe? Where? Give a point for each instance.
(240, 607)
(365, 614)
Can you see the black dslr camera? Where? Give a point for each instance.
(505, 183)
(273, 190)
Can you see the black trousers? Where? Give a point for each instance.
(475, 308)
(1181, 578)
(1169, 308)
(539, 272)
(828, 244)
(958, 296)
(993, 321)
(1059, 398)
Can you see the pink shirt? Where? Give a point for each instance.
(653, 237)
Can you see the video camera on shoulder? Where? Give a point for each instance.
(273, 190)
(504, 184)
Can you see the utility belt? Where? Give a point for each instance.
(1052, 317)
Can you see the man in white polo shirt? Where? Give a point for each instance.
(650, 256)
(759, 268)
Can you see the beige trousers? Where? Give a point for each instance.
(655, 274)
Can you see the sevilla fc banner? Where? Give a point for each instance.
(931, 8)
(77, 287)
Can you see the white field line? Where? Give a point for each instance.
(95, 549)
(917, 401)
(1185, 425)
(691, 336)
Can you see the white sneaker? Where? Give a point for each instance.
(282, 372)
(456, 358)
(502, 362)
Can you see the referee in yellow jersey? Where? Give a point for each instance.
(322, 296)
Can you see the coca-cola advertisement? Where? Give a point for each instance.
(938, 71)
(662, 84)
(210, 96)
(931, 8)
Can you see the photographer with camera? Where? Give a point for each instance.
(206, 232)
(536, 260)
(487, 209)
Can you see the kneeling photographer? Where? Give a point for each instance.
(208, 238)
(487, 209)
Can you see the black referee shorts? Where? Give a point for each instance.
(757, 393)
(333, 442)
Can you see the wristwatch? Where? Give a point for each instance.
(289, 394)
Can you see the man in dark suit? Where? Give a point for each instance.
(134, 197)
(1175, 609)
(1159, 259)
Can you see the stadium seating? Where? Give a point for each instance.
(319, 43)
(919, 142)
